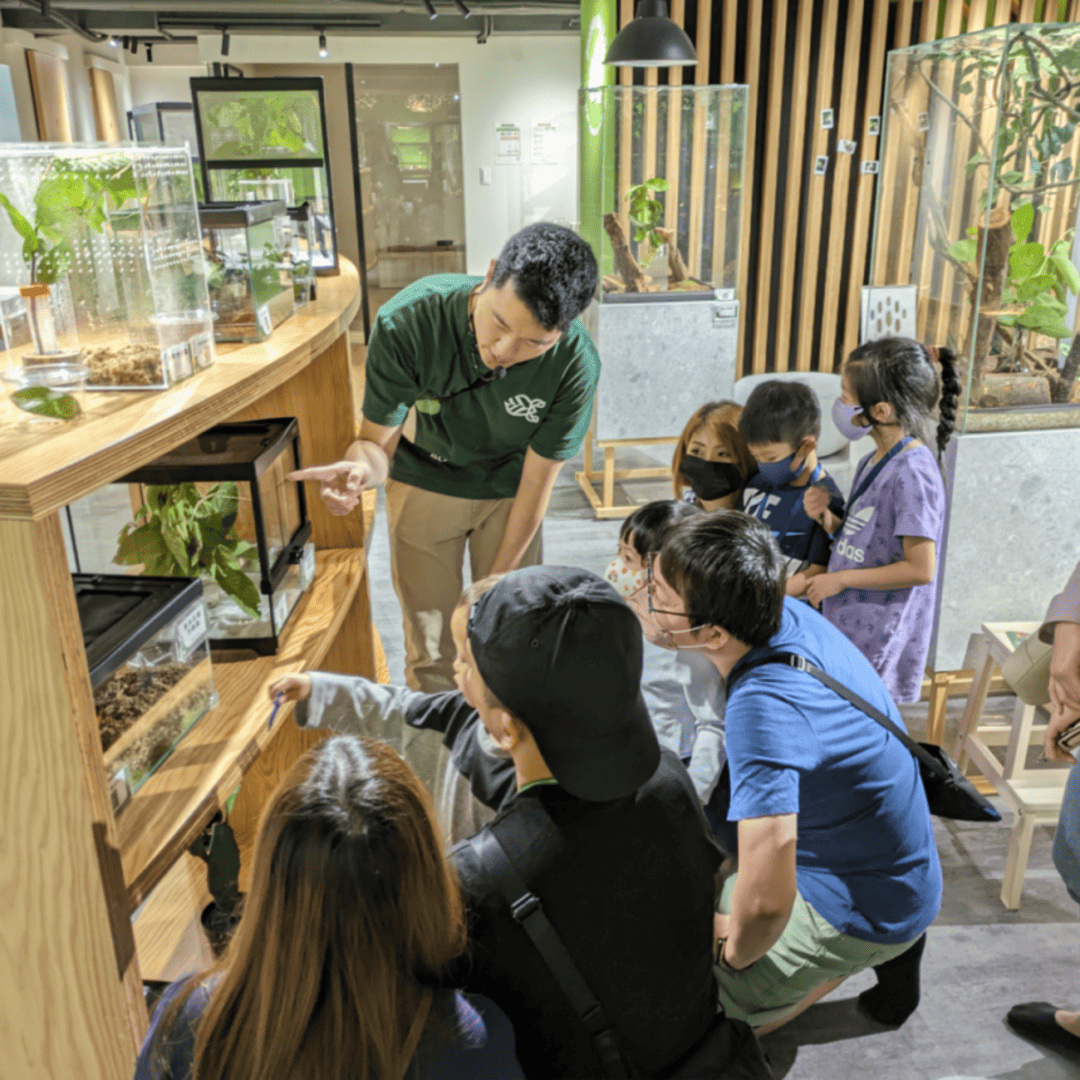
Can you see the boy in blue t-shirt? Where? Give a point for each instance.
(781, 422)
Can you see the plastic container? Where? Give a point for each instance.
(48, 393)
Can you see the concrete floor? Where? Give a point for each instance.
(981, 959)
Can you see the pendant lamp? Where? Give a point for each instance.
(651, 39)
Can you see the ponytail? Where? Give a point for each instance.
(950, 395)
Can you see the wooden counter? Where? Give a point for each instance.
(72, 871)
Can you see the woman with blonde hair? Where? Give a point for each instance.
(712, 458)
(352, 915)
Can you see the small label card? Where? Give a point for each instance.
(845, 146)
(873, 125)
(924, 121)
(827, 117)
(821, 165)
(870, 167)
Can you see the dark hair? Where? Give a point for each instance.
(902, 372)
(722, 419)
(553, 270)
(351, 917)
(729, 572)
(779, 411)
(648, 526)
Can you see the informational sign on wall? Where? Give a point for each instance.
(507, 144)
(545, 143)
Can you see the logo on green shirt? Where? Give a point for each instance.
(524, 406)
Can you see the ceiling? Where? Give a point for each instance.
(162, 20)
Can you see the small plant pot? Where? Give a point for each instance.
(219, 926)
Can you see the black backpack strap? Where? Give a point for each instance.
(800, 663)
(527, 910)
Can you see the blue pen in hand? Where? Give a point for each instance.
(279, 697)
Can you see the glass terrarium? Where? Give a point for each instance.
(248, 251)
(301, 247)
(670, 164)
(258, 132)
(103, 243)
(218, 508)
(977, 209)
(147, 650)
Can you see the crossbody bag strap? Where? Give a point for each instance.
(527, 910)
(800, 663)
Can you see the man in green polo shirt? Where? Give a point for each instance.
(502, 377)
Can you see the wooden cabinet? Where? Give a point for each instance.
(73, 874)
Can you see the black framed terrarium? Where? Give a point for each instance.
(148, 653)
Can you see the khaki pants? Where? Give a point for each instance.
(429, 533)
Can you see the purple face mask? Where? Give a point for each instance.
(843, 415)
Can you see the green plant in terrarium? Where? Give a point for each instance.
(264, 124)
(181, 532)
(646, 214)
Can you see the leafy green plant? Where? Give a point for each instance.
(646, 214)
(66, 197)
(44, 401)
(180, 532)
(263, 125)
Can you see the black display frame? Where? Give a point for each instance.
(201, 84)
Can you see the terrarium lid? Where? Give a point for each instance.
(238, 451)
(119, 613)
(240, 214)
(301, 212)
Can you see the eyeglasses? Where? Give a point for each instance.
(649, 585)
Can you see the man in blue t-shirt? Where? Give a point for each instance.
(837, 868)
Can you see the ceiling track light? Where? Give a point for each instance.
(460, 5)
(431, 12)
(135, 46)
(324, 52)
(149, 53)
(114, 41)
(485, 31)
(225, 42)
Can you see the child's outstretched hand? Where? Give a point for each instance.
(291, 687)
(816, 504)
(823, 586)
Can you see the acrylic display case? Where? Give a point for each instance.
(167, 123)
(218, 508)
(977, 208)
(301, 247)
(671, 176)
(257, 135)
(147, 650)
(104, 246)
(248, 252)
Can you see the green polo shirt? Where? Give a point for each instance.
(471, 445)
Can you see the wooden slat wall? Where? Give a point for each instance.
(805, 251)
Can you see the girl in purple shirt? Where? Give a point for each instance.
(881, 584)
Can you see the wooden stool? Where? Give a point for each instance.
(603, 504)
(1033, 795)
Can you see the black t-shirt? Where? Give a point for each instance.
(801, 540)
(630, 887)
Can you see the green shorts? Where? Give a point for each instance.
(808, 953)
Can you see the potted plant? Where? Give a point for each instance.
(217, 848)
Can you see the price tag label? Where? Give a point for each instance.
(307, 566)
(262, 317)
(177, 362)
(281, 612)
(191, 630)
(202, 351)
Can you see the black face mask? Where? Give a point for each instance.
(711, 479)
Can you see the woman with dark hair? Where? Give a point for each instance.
(352, 915)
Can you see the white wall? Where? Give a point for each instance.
(507, 80)
(156, 82)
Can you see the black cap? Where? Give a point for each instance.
(558, 647)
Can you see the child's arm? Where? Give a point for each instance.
(796, 584)
(917, 567)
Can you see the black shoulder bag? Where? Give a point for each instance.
(949, 793)
(729, 1050)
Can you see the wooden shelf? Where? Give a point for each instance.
(174, 805)
(48, 466)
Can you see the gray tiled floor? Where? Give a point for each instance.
(980, 960)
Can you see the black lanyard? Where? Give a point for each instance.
(877, 468)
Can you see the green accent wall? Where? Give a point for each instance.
(597, 131)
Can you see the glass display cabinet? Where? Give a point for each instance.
(103, 244)
(147, 650)
(977, 208)
(301, 246)
(255, 132)
(218, 508)
(248, 251)
(671, 174)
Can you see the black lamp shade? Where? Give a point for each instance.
(651, 39)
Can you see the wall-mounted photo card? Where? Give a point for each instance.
(827, 119)
(924, 121)
(821, 164)
(873, 125)
(846, 146)
(870, 167)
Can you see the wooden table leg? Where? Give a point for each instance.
(1019, 740)
(976, 699)
(1016, 863)
(609, 476)
(939, 707)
